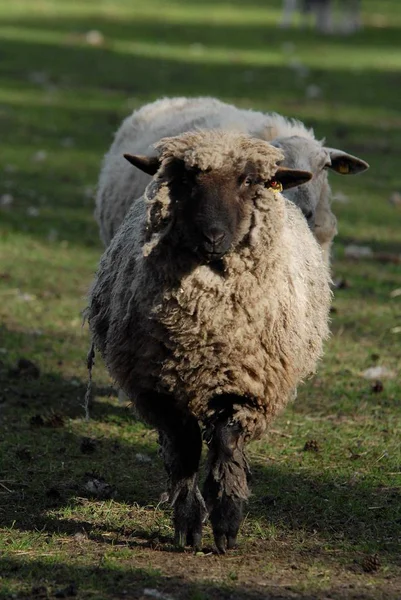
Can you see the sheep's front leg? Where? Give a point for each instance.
(226, 485)
(181, 450)
(180, 442)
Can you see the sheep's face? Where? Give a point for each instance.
(304, 153)
(213, 207)
(208, 211)
(311, 155)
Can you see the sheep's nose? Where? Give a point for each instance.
(214, 236)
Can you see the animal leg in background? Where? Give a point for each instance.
(180, 442)
(351, 16)
(324, 15)
(226, 486)
(289, 7)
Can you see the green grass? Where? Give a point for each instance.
(314, 517)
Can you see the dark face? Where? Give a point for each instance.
(214, 207)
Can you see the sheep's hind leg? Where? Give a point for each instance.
(226, 485)
(180, 442)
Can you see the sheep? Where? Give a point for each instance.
(209, 306)
(118, 185)
(323, 13)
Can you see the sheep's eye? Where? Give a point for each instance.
(327, 165)
(248, 181)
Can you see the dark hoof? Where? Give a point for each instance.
(220, 541)
(180, 538)
(226, 518)
(189, 534)
(189, 516)
(187, 537)
(231, 542)
(195, 540)
(224, 542)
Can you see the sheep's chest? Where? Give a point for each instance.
(213, 326)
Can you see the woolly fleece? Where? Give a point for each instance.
(164, 322)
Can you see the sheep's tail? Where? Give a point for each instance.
(90, 361)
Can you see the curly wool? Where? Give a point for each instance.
(164, 322)
(119, 184)
(211, 149)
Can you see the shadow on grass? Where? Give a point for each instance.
(191, 70)
(206, 31)
(45, 467)
(57, 186)
(41, 577)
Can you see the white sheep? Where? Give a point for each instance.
(118, 185)
(209, 307)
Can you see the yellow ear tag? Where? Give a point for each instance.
(343, 168)
(276, 186)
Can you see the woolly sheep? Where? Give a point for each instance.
(119, 185)
(209, 307)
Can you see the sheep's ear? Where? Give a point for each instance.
(291, 177)
(147, 164)
(346, 164)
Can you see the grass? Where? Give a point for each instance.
(83, 517)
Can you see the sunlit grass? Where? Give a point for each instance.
(314, 516)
